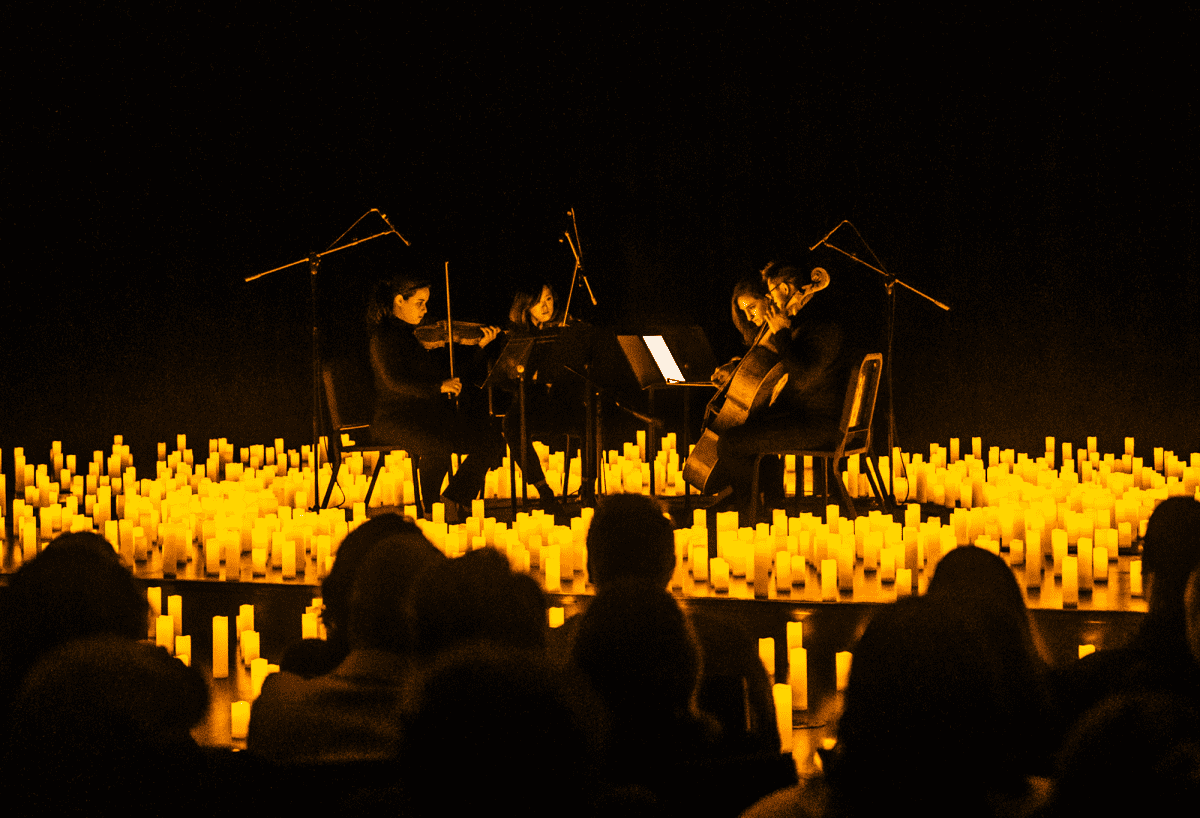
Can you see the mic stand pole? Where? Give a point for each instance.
(890, 282)
(314, 260)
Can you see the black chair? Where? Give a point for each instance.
(349, 401)
(853, 436)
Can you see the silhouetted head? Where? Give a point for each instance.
(630, 537)
(1170, 553)
(379, 607)
(478, 598)
(336, 587)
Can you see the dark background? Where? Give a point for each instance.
(1034, 173)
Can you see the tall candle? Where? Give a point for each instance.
(220, 643)
(175, 611)
(783, 715)
(844, 661)
(183, 649)
(783, 572)
(164, 633)
(719, 571)
(1135, 577)
(904, 582)
(239, 720)
(1070, 581)
(250, 646)
(829, 580)
(766, 654)
(795, 635)
(798, 675)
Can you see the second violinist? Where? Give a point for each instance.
(552, 406)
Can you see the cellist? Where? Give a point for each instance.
(805, 413)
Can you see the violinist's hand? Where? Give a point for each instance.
(489, 335)
(452, 386)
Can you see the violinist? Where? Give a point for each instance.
(414, 396)
(552, 407)
(806, 411)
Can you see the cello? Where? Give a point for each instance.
(755, 384)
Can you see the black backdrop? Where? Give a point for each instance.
(1036, 174)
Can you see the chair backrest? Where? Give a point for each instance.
(348, 401)
(858, 411)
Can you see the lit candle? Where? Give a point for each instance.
(250, 646)
(220, 643)
(829, 580)
(795, 635)
(239, 720)
(783, 715)
(175, 611)
(1100, 564)
(844, 660)
(1070, 581)
(164, 633)
(1085, 650)
(1135, 577)
(903, 582)
(183, 649)
(308, 625)
(798, 675)
(699, 562)
(783, 572)
(766, 654)
(719, 571)
(557, 616)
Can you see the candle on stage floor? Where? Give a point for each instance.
(1070, 581)
(699, 562)
(164, 633)
(1086, 563)
(154, 595)
(844, 661)
(783, 715)
(1085, 650)
(904, 582)
(175, 611)
(829, 580)
(557, 616)
(1135, 577)
(798, 676)
(795, 635)
(250, 646)
(220, 642)
(183, 649)
(239, 720)
(718, 570)
(308, 625)
(783, 572)
(766, 654)
(887, 565)
(259, 670)
(1100, 564)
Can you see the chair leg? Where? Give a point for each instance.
(374, 476)
(754, 490)
(337, 467)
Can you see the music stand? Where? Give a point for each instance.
(672, 357)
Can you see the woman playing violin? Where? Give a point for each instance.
(412, 403)
(552, 407)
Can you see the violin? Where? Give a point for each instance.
(465, 332)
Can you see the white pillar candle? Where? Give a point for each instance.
(1070, 581)
(552, 567)
(783, 715)
(798, 675)
(183, 649)
(904, 582)
(887, 565)
(1033, 562)
(829, 580)
(1135, 577)
(154, 595)
(164, 633)
(1016, 552)
(783, 572)
(250, 646)
(175, 611)
(1085, 650)
(795, 635)
(699, 563)
(719, 571)
(239, 720)
(1086, 563)
(308, 625)
(1100, 564)
(259, 670)
(799, 570)
(844, 661)
(766, 654)
(220, 644)
(557, 616)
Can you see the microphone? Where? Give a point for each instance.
(827, 235)
(383, 216)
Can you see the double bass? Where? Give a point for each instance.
(755, 384)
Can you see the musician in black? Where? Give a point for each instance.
(553, 403)
(805, 412)
(413, 402)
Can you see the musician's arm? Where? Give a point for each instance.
(396, 376)
(810, 352)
